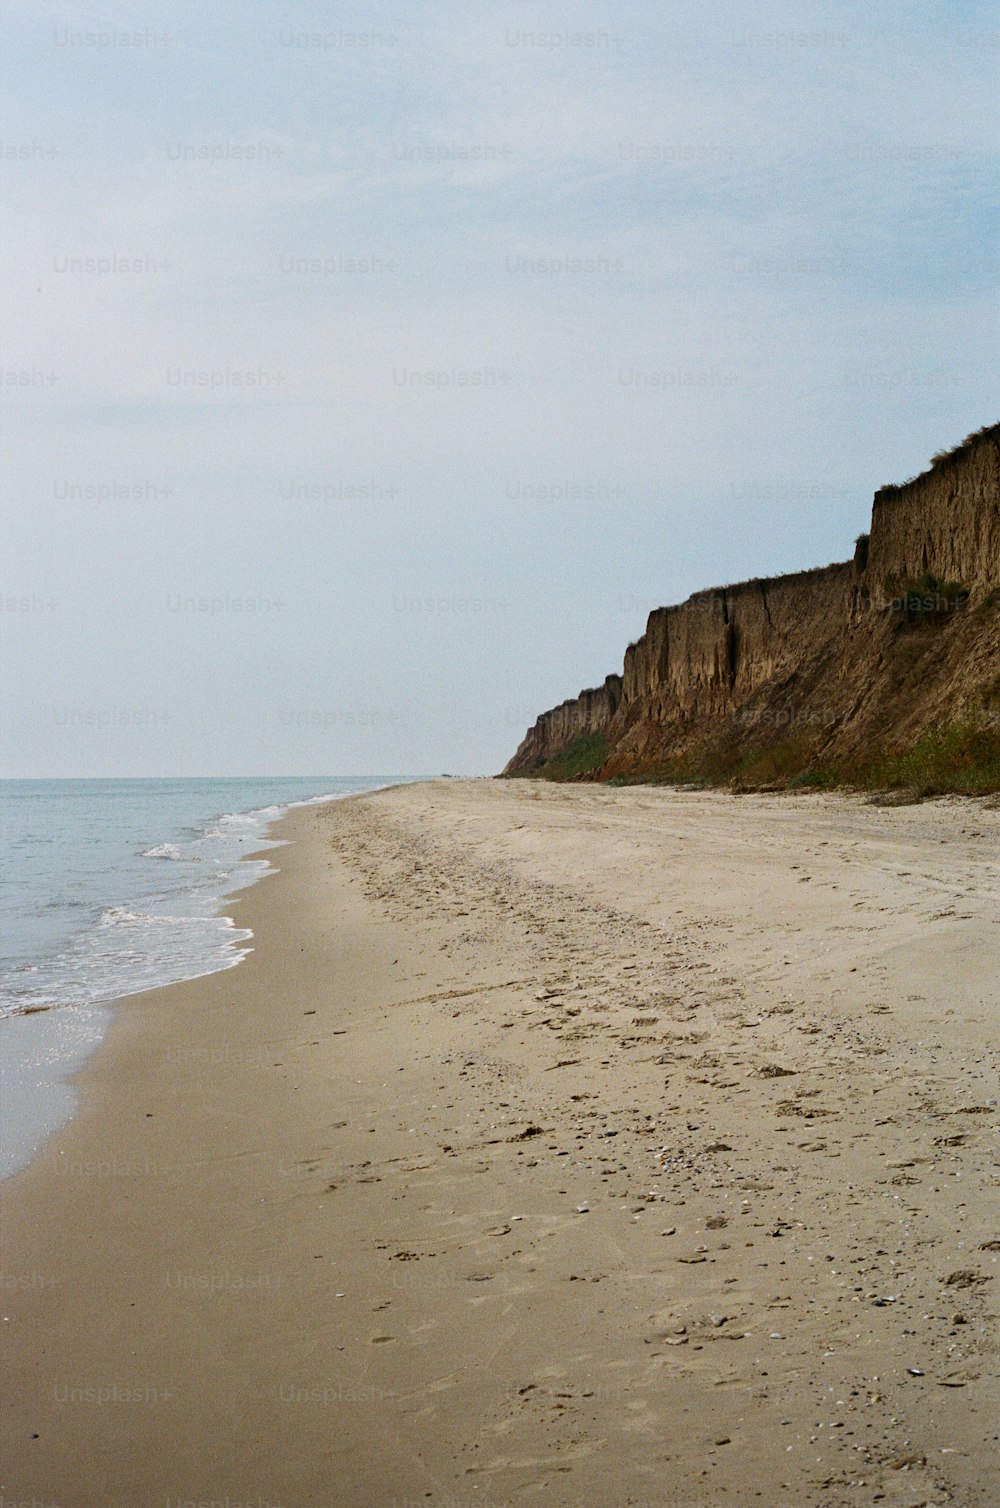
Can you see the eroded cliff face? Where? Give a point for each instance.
(590, 712)
(946, 521)
(816, 653)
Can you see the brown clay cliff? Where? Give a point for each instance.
(821, 673)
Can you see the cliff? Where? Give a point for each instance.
(946, 521)
(819, 671)
(590, 712)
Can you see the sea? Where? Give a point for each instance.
(108, 887)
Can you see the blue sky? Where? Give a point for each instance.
(370, 373)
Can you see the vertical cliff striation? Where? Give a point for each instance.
(590, 712)
(945, 521)
(825, 660)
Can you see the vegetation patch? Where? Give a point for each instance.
(823, 778)
(925, 599)
(961, 758)
(582, 756)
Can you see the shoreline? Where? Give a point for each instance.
(450, 1192)
(47, 1038)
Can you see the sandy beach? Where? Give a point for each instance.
(556, 1144)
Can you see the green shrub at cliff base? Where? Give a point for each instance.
(774, 764)
(582, 756)
(733, 764)
(959, 758)
(823, 778)
(528, 772)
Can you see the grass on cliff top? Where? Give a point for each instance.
(582, 756)
(951, 456)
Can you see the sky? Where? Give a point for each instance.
(370, 372)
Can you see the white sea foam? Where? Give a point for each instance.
(115, 915)
(166, 851)
(79, 847)
(129, 951)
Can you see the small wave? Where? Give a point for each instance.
(118, 916)
(163, 851)
(251, 819)
(127, 952)
(114, 916)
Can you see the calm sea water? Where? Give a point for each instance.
(109, 887)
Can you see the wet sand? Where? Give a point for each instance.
(558, 1145)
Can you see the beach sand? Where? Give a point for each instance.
(556, 1144)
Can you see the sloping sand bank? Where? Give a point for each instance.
(556, 1145)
